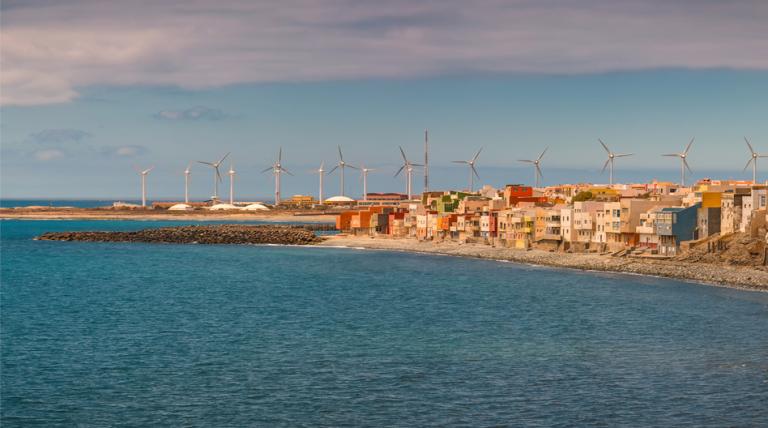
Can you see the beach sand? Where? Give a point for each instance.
(727, 276)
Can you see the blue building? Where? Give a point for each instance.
(675, 225)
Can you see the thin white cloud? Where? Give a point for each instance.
(48, 154)
(191, 114)
(51, 48)
(58, 136)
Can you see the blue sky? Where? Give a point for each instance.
(77, 133)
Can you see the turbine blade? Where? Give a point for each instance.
(333, 169)
(399, 171)
(415, 164)
(280, 155)
(341, 156)
(750, 146)
(477, 154)
(604, 146)
(146, 171)
(267, 169)
(222, 159)
(218, 174)
(605, 165)
(677, 155)
(350, 166)
(525, 160)
(403, 154)
(207, 163)
(747, 165)
(623, 155)
(688, 147)
(460, 161)
(685, 162)
(285, 171)
(322, 164)
(538, 171)
(474, 171)
(542, 153)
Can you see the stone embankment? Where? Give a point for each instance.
(205, 234)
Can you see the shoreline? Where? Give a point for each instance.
(736, 277)
(150, 215)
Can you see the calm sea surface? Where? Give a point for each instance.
(153, 335)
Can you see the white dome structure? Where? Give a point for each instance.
(339, 199)
(222, 207)
(256, 207)
(180, 207)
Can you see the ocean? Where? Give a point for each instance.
(114, 334)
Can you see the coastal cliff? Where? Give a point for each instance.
(203, 234)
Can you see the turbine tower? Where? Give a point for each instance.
(216, 175)
(472, 171)
(537, 166)
(320, 172)
(611, 158)
(753, 159)
(231, 184)
(341, 166)
(186, 183)
(426, 160)
(144, 174)
(408, 167)
(683, 162)
(277, 169)
(364, 174)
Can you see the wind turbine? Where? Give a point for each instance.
(408, 167)
(341, 166)
(611, 158)
(320, 172)
(186, 183)
(426, 160)
(277, 169)
(753, 159)
(537, 166)
(472, 171)
(683, 162)
(144, 174)
(216, 175)
(364, 174)
(231, 184)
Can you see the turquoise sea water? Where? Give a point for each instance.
(109, 334)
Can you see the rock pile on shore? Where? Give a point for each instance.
(205, 234)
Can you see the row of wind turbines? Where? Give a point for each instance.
(410, 167)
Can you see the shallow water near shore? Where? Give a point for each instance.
(126, 334)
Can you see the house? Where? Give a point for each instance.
(755, 201)
(709, 214)
(731, 209)
(629, 217)
(675, 225)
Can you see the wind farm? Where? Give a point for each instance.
(407, 168)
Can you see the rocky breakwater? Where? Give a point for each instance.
(203, 234)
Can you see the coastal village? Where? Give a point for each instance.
(655, 220)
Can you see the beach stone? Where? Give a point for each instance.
(198, 234)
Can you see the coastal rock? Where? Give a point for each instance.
(204, 234)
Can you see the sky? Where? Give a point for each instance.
(92, 90)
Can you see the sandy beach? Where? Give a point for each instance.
(711, 274)
(197, 215)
